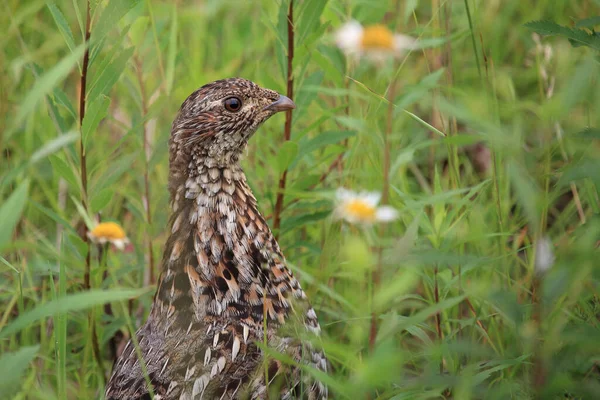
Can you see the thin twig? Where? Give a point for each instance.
(138, 67)
(538, 373)
(287, 133)
(96, 348)
(477, 321)
(438, 315)
(84, 200)
(322, 178)
(385, 194)
(473, 42)
(82, 155)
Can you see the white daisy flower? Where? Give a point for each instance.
(361, 208)
(544, 256)
(110, 232)
(375, 41)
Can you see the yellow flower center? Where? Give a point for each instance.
(108, 230)
(377, 37)
(360, 210)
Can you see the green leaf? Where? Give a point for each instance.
(61, 98)
(414, 93)
(101, 200)
(112, 14)
(309, 14)
(46, 83)
(172, 54)
(95, 112)
(305, 97)
(328, 68)
(320, 140)
(75, 302)
(324, 139)
(137, 31)
(65, 171)
(282, 36)
(577, 37)
(109, 75)
(80, 21)
(588, 133)
(395, 288)
(12, 367)
(62, 25)
(585, 168)
(577, 87)
(51, 103)
(53, 146)
(83, 213)
(588, 22)
(56, 116)
(487, 373)
(9, 265)
(10, 212)
(101, 63)
(78, 246)
(55, 217)
(357, 124)
(527, 192)
(404, 157)
(286, 154)
(112, 174)
(427, 312)
(425, 124)
(304, 219)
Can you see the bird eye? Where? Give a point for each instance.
(233, 104)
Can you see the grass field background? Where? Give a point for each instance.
(486, 140)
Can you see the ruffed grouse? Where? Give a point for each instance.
(224, 278)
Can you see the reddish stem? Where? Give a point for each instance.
(287, 133)
(82, 155)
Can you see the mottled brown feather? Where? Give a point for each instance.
(223, 273)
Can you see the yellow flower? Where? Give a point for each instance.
(110, 232)
(361, 208)
(375, 41)
(377, 37)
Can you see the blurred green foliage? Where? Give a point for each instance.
(489, 136)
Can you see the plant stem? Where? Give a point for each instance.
(538, 373)
(473, 42)
(82, 154)
(84, 199)
(147, 153)
(96, 347)
(385, 194)
(287, 133)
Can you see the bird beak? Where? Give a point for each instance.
(283, 103)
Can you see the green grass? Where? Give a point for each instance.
(489, 147)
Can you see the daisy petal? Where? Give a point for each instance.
(119, 244)
(386, 214)
(348, 37)
(371, 198)
(404, 42)
(544, 256)
(343, 194)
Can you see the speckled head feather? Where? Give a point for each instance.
(223, 273)
(207, 128)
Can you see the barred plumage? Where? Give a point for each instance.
(223, 273)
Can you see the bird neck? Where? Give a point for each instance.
(221, 258)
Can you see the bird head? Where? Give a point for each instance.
(217, 120)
